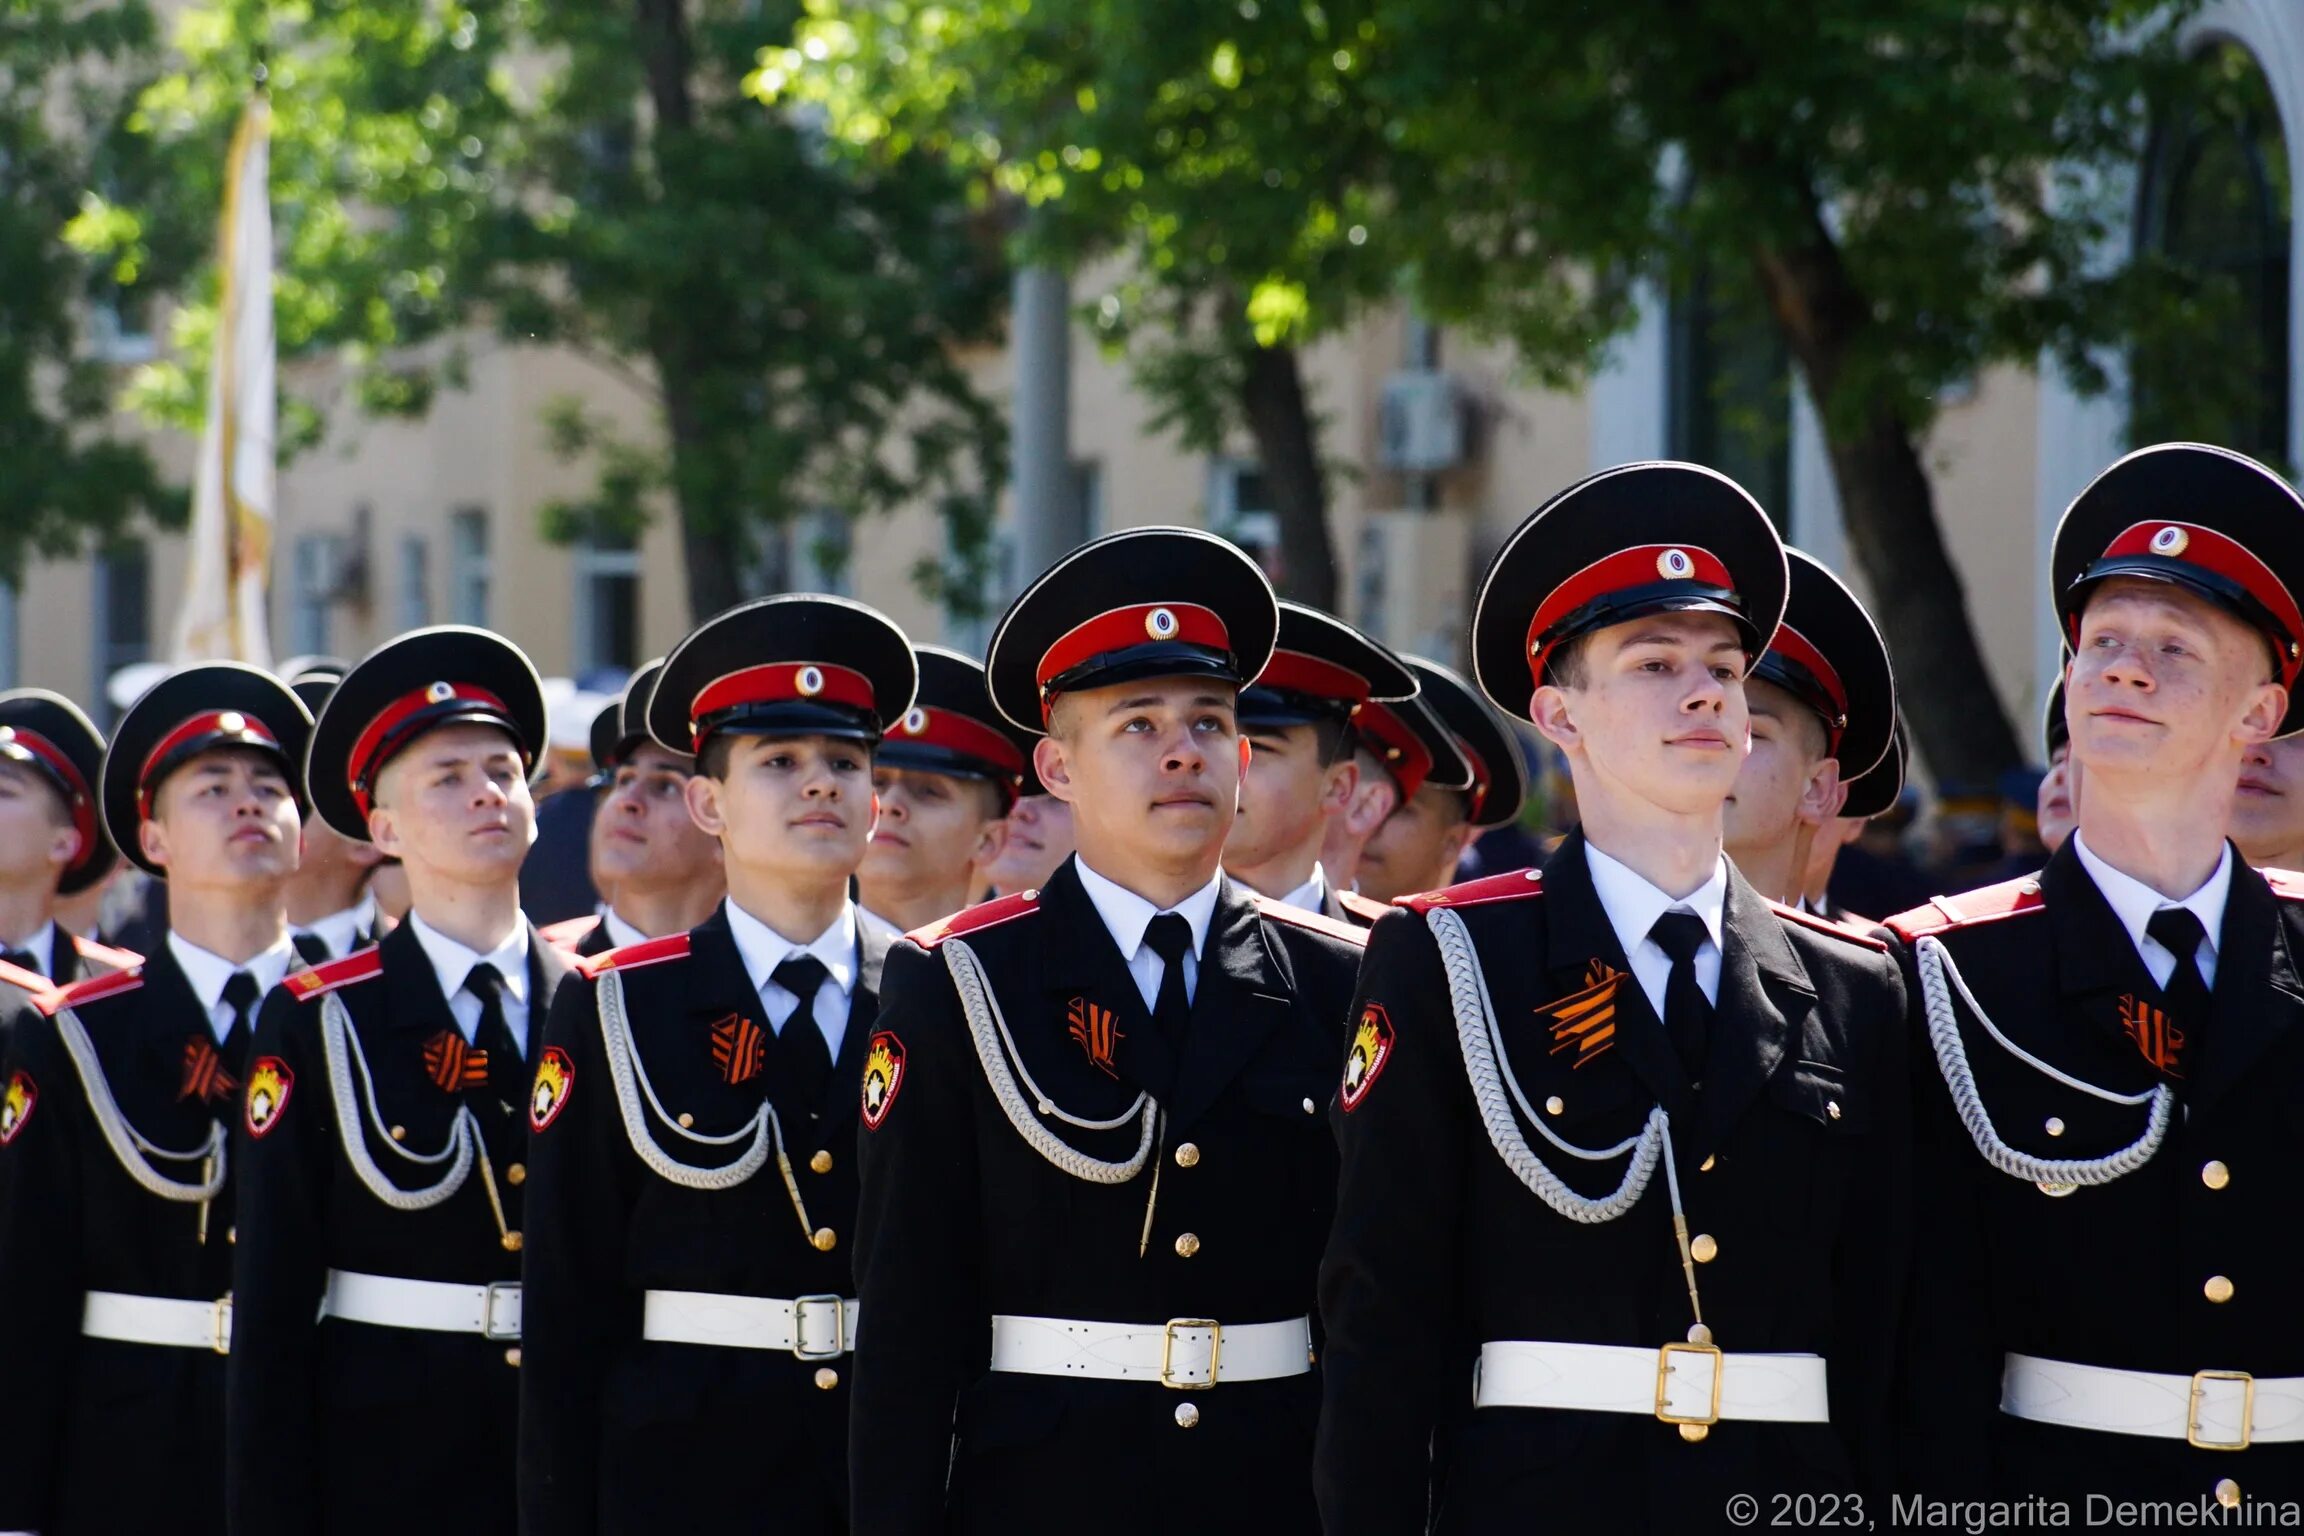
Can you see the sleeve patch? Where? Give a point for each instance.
(16, 1105)
(1371, 1050)
(269, 1084)
(883, 1078)
(555, 1075)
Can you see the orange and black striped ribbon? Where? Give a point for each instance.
(1097, 1030)
(739, 1047)
(454, 1064)
(204, 1075)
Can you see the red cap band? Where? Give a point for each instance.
(1120, 628)
(369, 745)
(1797, 648)
(1644, 565)
(216, 722)
(1405, 756)
(1299, 673)
(76, 793)
(780, 682)
(2191, 544)
(1482, 780)
(958, 733)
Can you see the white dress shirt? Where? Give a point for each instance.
(41, 947)
(620, 932)
(764, 949)
(341, 931)
(1127, 915)
(2134, 903)
(1633, 905)
(1312, 895)
(453, 961)
(208, 971)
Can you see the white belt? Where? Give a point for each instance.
(811, 1327)
(168, 1320)
(1678, 1383)
(1187, 1353)
(2215, 1410)
(437, 1306)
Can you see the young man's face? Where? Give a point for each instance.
(456, 801)
(933, 828)
(37, 839)
(1786, 781)
(2165, 684)
(1038, 838)
(1151, 770)
(1659, 713)
(2055, 808)
(2268, 818)
(1417, 847)
(642, 835)
(1285, 795)
(794, 808)
(227, 818)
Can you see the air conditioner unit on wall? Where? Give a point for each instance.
(1420, 423)
(1413, 580)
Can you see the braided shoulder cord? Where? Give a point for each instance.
(995, 1048)
(631, 1081)
(340, 1047)
(1938, 977)
(1494, 1090)
(127, 1143)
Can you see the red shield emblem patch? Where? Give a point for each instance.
(555, 1075)
(16, 1105)
(1371, 1050)
(883, 1076)
(269, 1084)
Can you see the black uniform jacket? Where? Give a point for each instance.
(345, 1427)
(2114, 1274)
(620, 1434)
(1794, 1159)
(963, 1220)
(73, 1220)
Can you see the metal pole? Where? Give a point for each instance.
(1049, 517)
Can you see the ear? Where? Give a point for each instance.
(1823, 795)
(991, 842)
(1554, 719)
(702, 793)
(63, 847)
(2267, 707)
(384, 832)
(1051, 762)
(1377, 800)
(1343, 782)
(1246, 752)
(152, 838)
(875, 826)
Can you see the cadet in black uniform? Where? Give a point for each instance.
(2112, 1051)
(1874, 792)
(1095, 1176)
(331, 910)
(1823, 707)
(383, 1137)
(116, 1223)
(689, 1302)
(1423, 840)
(1623, 1208)
(52, 842)
(945, 777)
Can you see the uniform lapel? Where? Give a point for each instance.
(1764, 993)
(843, 1090)
(1082, 961)
(1241, 994)
(415, 1003)
(1577, 934)
(64, 959)
(546, 966)
(2258, 999)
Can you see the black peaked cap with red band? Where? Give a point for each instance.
(48, 734)
(1483, 738)
(1875, 791)
(2055, 730)
(953, 729)
(1828, 654)
(1631, 541)
(448, 674)
(1144, 603)
(799, 665)
(2213, 522)
(199, 709)
(1321, 669)
(312, 678)
(621, 727)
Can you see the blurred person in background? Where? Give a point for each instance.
(1038, 838)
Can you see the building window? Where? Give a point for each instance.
(1240, 509)
(1729, 379)
(312, 593)
(2214, 206)
(607, 604)
(123, 616)
(415, 582)
(822, 546)
(471, 576)
(1088, 498)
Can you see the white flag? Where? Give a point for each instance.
(231, 536)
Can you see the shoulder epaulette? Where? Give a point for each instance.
(1318, 922)
(569, 931)
(1361, 907)
(94, 989)
(673, 946)
(123, 959)
(360, 965)
(1515, 885)
(2286, 884)
(2009, 898)
(1815, 924)
(967, 920)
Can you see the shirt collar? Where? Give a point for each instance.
(41, 946)
(338, 930)
(207, 971)
(620, 932)
(1126, 915)
(1312, 895)
(1633, 904)
(764, 949)
(453, 960)
(2134, 902)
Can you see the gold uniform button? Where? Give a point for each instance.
(1187, 1415)
(1832, 1108)
(686, 1120)
(2218, 1288)
(824, 1239)
(1188, 1156)
(2227, 1493)
(2055, 1126)
(399, 1133)
(512, 1357)
(1555, 1105)
(820, 1163)
(512, 1241)
(232, 1234)
(1187, 1244)
(827, 1378)
(1310, 1108)
(1706, 1165)
(1704, 1248)
(516, 1173)
(2214, 1174)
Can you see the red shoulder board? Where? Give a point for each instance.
(673, 946)
(985, 914)
(1361, 907)
(1281, 912)
(1515, 885)
(1815, 924)
(53, 1000)
(360, 965)
(2007, 899)
(2286, 884)
(105, 954)
(569, 931)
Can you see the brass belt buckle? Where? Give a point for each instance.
(489, 1328)
(800, 1349)
(220, 1324)
(1168, 1352)
(2200, 1379)
(1664, 1383)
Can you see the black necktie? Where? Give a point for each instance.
(240, 995)
(805, 1060)
(2180, 933)
(1170, 937)
(1687, 1013)
(23, 960)
(507, 1072)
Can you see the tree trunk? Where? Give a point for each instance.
(1956, 719)
(1272, 398)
